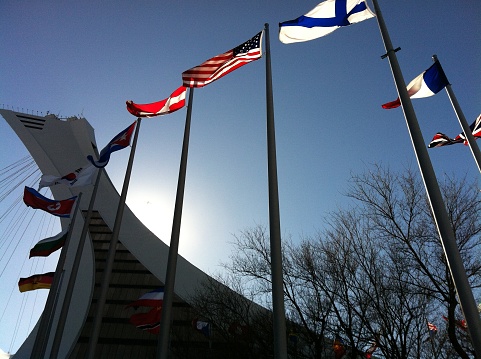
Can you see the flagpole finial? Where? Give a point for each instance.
(266, 25)
(435, 58)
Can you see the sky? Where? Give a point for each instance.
(87, 58)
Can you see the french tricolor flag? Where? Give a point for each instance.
(150, 299)
(429, 83)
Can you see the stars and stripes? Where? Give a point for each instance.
(220, 65)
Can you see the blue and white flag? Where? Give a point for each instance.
(119, 142)
(324, 19)
(429, 83)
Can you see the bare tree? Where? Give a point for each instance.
(376, 272)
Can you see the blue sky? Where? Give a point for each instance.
(88, 58)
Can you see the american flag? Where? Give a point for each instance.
(222, 64)
(432, 327)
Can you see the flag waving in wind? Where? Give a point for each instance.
(427, 84)
(119, 142)
(149, 321)
(36, 281)
(324, 19)
(58, 208)
(222, 64)
(153, 298)
(82, 176)
(49, 245)
(440, 139)
(175, 102)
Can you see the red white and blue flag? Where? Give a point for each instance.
(151, 299)
(119, 142)
(220, 65)
(149, 321)
(58, 208)
(427, 84)
(440, 139)
(325, 18)
(173, 103)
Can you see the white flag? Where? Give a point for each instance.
(82, 176)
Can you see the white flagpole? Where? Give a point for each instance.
(109, 262)
(43, 333)
(438, 208)
(462, 121)
(278, 310)
(73, 275)
(166, 318)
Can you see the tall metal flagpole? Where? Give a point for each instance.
(462, 121)
(109, 262)
(278, 311)
(73, 275)
(438, 208)
(43, 332)
(166, 318)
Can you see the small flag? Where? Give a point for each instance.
(49, 245)
(201, 326)
(220, 65)
(324, 19)
(82, 176)
(149, 321)
(432, 327)
(175, 102)
(119, 142)
(427, 84)
(372, 348)
(338, 347)
(153, 298)
(441, 139)
(58, 208)
(36, 281)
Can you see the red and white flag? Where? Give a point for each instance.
(58, 208)
(173, 103)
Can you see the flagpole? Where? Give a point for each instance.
(278, 311)
(109, 262)
(166, 318)
(462, 121)
(438, 208)
(73, 274)
(43, 333)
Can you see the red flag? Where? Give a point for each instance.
(58, 208)
(222, 64)
(149, 321)
(175, 102)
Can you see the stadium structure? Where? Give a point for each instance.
(58, 146)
